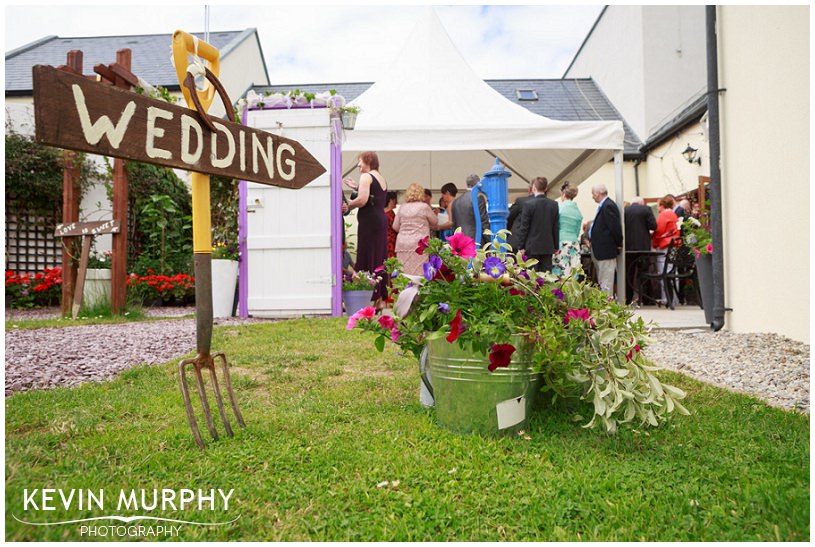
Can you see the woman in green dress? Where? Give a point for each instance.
(569, 224)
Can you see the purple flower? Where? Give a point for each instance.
(494, 267)
(540, 282)
(444, 308)
(558, 293)
(431, 267)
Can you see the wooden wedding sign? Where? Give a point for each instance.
(73, 112)
(79, 114)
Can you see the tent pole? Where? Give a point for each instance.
(620, 199)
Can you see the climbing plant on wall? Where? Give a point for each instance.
(34, 175)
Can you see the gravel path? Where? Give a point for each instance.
(769, 366)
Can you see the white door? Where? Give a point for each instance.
(289, 231)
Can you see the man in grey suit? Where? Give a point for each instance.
(538, 232)
(462, 212)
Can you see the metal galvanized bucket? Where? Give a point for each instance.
(471, 399)
(356, 300)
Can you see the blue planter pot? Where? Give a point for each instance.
(356, 300)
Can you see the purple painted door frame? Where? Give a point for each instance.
(335, 171)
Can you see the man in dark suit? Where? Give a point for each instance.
(606, 235)
(677, 207)
(515, 214)
(462, 211)
(538, 232)
(639, 223)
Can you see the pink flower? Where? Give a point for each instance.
(367, 312)
(386, 321)
(455, 327)
(709, 247)
(422, 245)
(395, 334)
(582, 315)
(500, 355)
(462, 245)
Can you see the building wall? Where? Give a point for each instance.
(241, 68)
(648, 60)
(616, 64)
(674, 61)
(764, 66)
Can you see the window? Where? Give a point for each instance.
(526, 95)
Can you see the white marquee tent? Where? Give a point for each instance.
(432, 120)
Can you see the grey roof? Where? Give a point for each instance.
(565, 100)
(689, 115)
(150, 56)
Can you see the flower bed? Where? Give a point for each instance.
(154, 287)
(27, 291)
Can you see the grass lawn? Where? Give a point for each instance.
(337, 447)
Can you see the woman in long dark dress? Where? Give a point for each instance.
(372, 232)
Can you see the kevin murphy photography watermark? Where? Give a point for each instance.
(125, 513)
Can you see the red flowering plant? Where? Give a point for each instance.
(155, 286)
(29, 291)
(488, 300)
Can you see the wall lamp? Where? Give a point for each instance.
(690, 154)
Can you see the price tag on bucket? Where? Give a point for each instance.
(511, 412)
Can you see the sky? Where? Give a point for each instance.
(345, 43)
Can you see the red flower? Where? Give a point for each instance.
(516, 292)
(455, 328)
(445, 273)
(500, 355)
(422, 245)
(386, 321)
(581, 314)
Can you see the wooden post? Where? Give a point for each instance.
(118, 294)
(72, 172)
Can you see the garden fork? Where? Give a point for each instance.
(184, 44)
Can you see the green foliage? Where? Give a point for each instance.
(329, 419)
(34, 175)
(224, 207)
(696, 235)
(158, 92)
(163, 220)
(586, 345)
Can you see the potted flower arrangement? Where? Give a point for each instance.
(224, 278)
(489, 308)
(357, 290)
(696, 236)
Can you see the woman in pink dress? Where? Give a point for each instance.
(414, 220)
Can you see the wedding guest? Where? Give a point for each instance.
(391, 214)
(570, 220)
(413, 222)
(606, 236)
(537, 232)
(463, 214)
(664, 234)
(372, 231)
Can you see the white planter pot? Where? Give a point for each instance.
(97, 287)
(224, 278)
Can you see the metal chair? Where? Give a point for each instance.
(679, 264)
